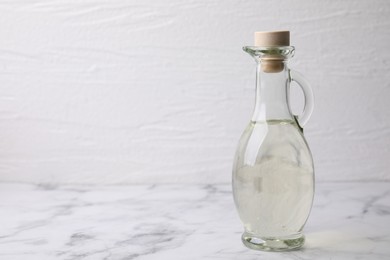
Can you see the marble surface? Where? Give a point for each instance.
(348, 221)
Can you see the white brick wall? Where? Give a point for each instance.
(160, 91)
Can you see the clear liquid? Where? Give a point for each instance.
(273, 179)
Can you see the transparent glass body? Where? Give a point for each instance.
(273, 173)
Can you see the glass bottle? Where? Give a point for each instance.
(273, 173)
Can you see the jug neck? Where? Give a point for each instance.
(272, 83)
(272, 95)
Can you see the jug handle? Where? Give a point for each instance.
(309, 97)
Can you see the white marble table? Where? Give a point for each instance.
(348, 221)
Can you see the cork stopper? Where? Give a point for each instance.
(272, 64)
(272, 39)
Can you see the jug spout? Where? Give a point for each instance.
(271, 49)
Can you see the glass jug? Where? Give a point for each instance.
(273, 173)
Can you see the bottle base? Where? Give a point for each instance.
(273, 244)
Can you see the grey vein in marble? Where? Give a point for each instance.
(348, 221)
